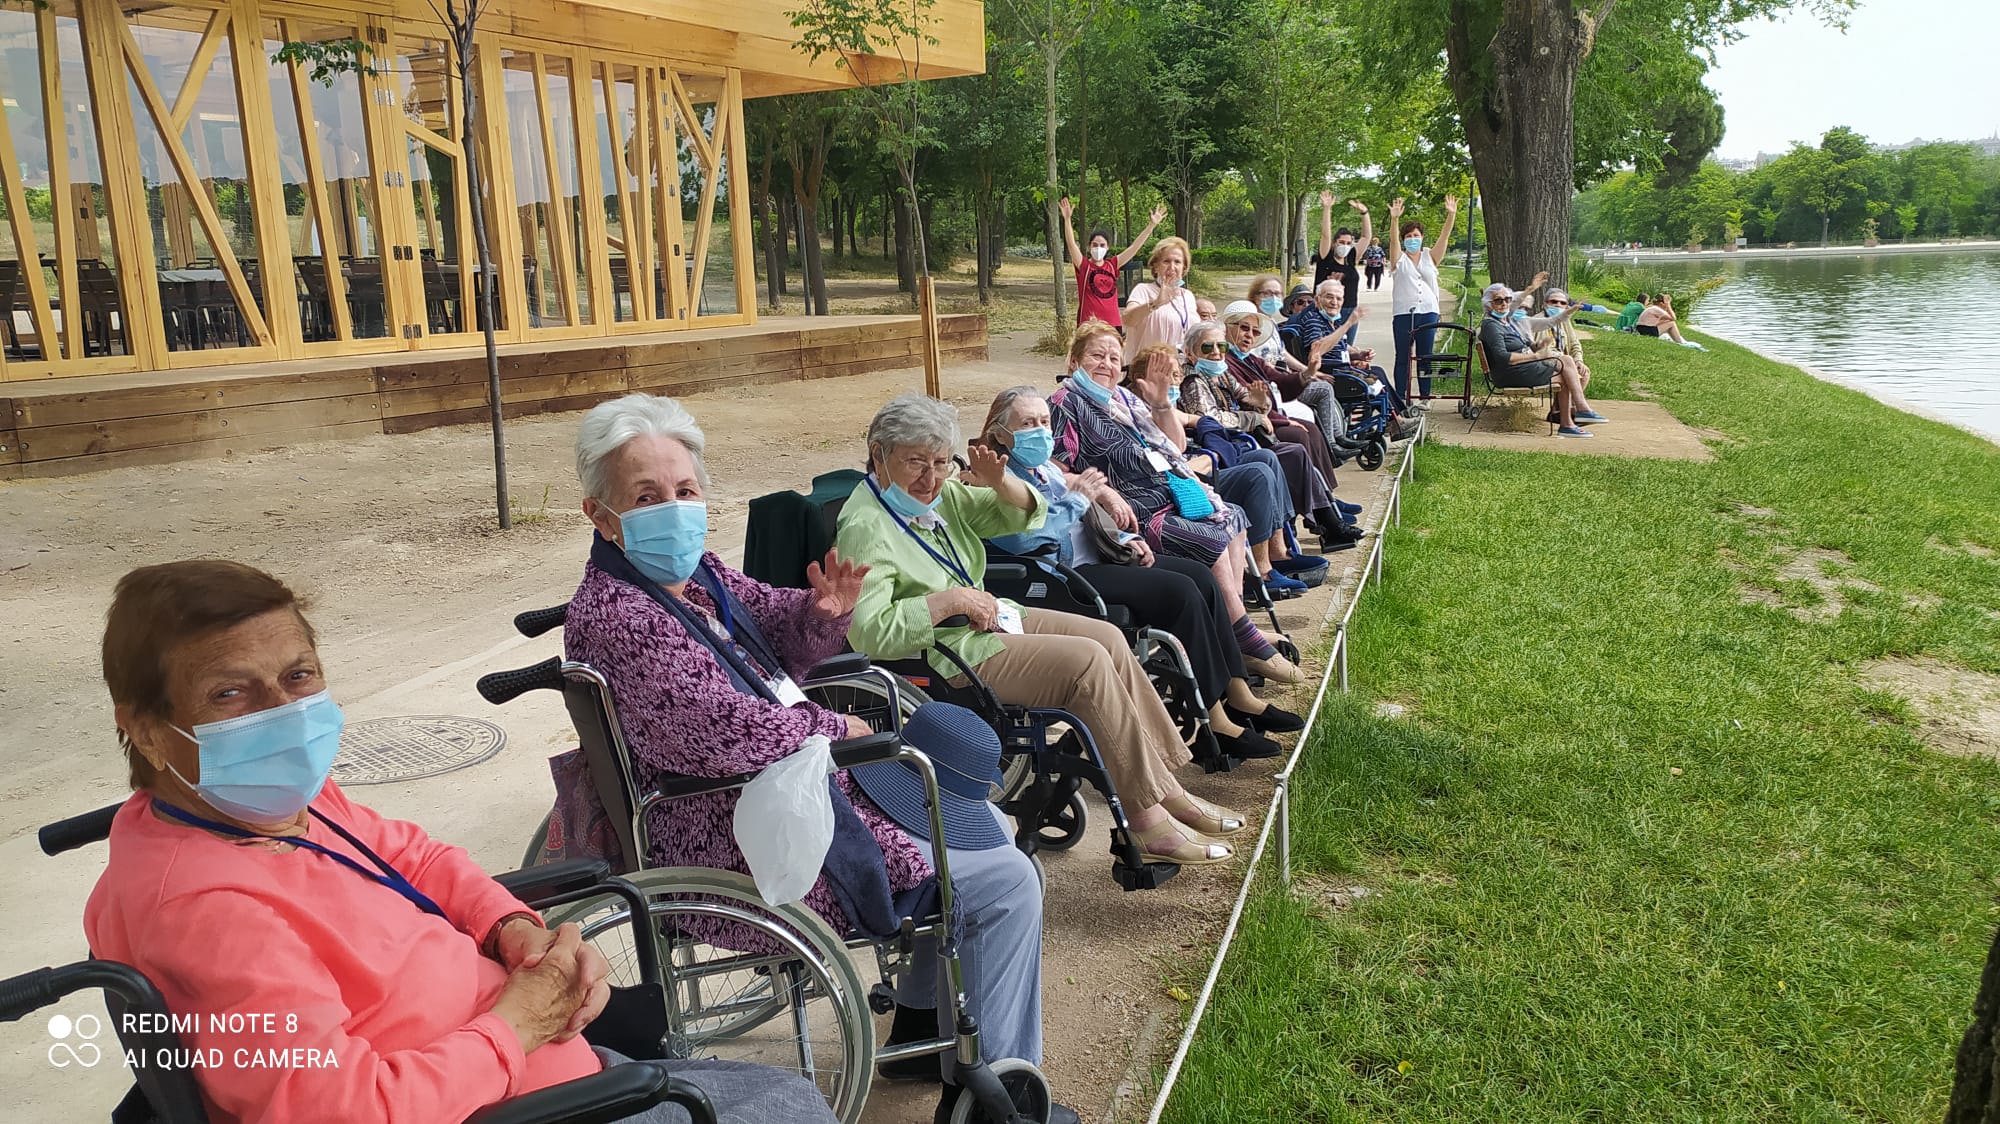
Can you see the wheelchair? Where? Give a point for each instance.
(167, 1093)
(746, 980)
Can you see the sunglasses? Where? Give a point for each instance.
(1211, 348)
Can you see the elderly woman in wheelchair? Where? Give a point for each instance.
(402, 983)
(918, 530)
(704, 665)
(1177, 595)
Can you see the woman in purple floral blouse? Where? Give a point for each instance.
(687, 709)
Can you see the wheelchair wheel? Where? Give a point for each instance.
(533, 857)
(1063, 829)
(746, 981)
(1023, 1082)
(1373, 454)
(866, 700)
(1178, 695)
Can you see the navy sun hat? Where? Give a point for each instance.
(965, 752)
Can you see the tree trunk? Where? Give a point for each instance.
(462, 29)
(835, 204)
(770, 226)
(906, 259)
(1052, 187)
(853, 243)
(996, 231)
(1521, 127)
(979, 274)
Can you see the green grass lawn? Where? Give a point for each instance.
(1563, 927)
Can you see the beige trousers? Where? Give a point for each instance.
(1085, 667)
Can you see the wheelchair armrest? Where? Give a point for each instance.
(537, 883)
(608, 1095)
(505, 686)
(1118, 615)
(1007, 571)
(78, 831)
(847, 665)
(869, 750)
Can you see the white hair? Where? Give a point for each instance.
(609, 425)
(1497, 290)
(913, 421)
(1191, 342)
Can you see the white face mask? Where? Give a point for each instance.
(1097, 253)
(1343, 252)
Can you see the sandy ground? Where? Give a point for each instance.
(1635, 429)
(413, 592)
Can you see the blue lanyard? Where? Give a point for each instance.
(954, 564)
(713, 587)
(390, 876)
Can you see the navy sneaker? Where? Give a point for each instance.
(1280, 585)
(1347, 508)
(1588, 417)
(1572, 431)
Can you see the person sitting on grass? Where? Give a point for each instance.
(1659, 319)
(1514, 362)
(1628, 317)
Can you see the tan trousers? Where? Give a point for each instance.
(1085, 667)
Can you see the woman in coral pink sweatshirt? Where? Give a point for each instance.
(330, 964)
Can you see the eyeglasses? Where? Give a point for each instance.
(1213, 347)
(920, 467)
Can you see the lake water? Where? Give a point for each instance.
(1923, 329)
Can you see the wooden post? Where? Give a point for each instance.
(927, 316)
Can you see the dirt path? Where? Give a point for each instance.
(412, 595)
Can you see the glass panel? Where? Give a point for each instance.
(419, 75)
(569, 183)
(66, 182)
(538, 202)
(668, 155)
(692, 175)
(346, 236)
(618, 146)
(199, 307)
(718, 275)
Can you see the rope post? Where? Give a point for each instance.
(1340, 654)
(1283, 781)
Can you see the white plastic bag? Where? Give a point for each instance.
(784, 822)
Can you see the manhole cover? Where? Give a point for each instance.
(410, 746)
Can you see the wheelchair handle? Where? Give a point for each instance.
(23, 995)
(501, 687)
(78, 831)
(534, 622)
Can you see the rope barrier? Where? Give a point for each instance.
(1278, 817)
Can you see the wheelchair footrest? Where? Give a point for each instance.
(1147, 876)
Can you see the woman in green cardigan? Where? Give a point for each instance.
(918, 530)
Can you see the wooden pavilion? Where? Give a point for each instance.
(172, 199)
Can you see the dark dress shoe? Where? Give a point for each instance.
(1249, 745)
(1272, 721)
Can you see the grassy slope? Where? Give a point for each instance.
(1562, 929)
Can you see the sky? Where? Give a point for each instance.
(1903, 69)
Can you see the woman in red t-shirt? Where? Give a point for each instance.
(1097, 271)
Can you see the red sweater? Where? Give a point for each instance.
(329, 963)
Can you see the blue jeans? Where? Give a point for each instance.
(1426, 343)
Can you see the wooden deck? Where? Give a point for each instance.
(88, 423)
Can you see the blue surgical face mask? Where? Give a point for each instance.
(1412, 245)
(1518, 315)
(265, 767)
(1033, 446)
(907, 505)
(1088, 386)
(1174, 395)
(1237, 351)
(1270, 305)
(665, 540)
(1210, 367)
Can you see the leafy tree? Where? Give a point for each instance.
(1524, 72)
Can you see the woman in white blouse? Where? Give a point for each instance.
(1161, 310)
(1413, 268)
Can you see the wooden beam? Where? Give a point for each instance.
(25, 246)
(556, 212)
(704, 151)
(56, 136)
(258, 129)
(739, 199)
(197, 71)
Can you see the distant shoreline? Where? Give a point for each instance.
(1660, 255)
(1872, 391)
